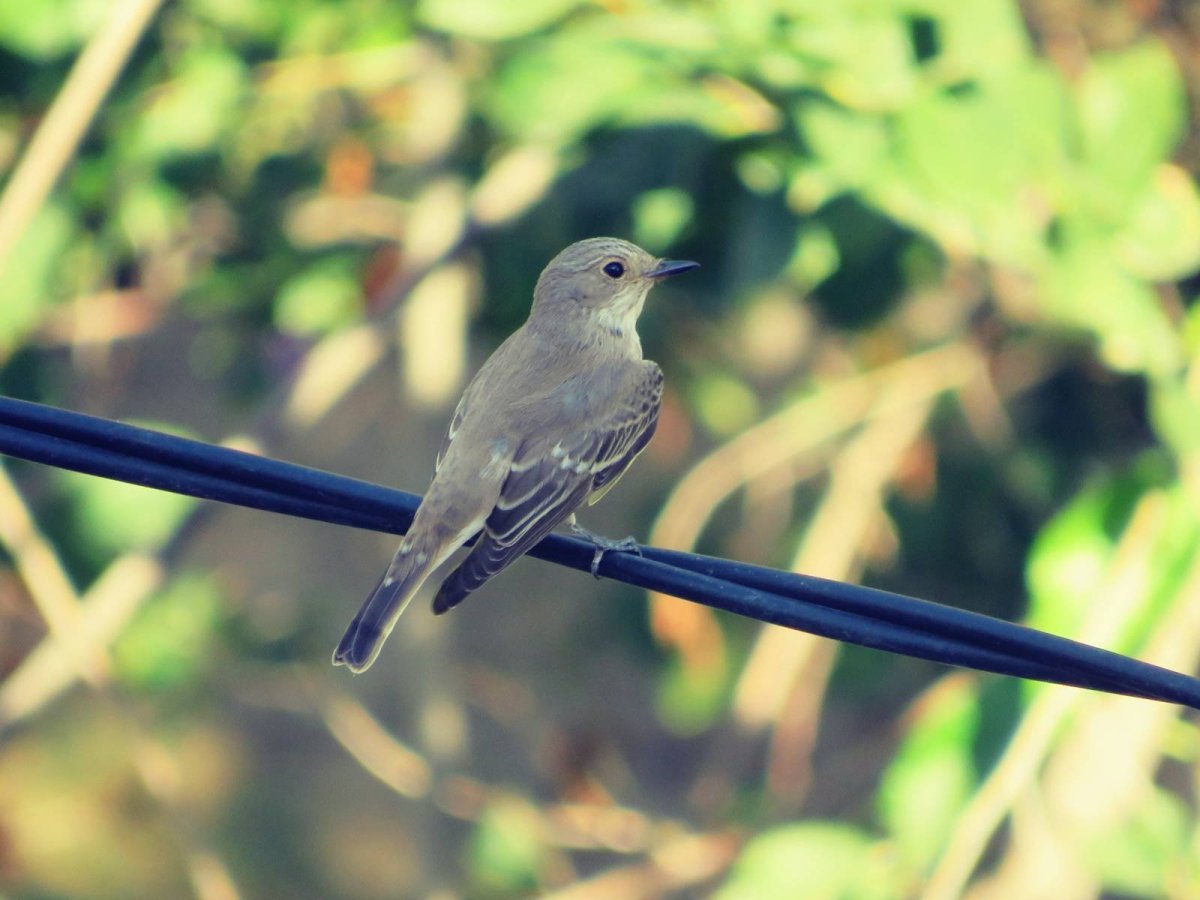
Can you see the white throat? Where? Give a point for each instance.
(619, 324)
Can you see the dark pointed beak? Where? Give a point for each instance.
(668, 267)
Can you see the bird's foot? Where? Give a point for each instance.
(604, 545)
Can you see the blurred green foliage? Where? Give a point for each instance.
(862, 181)
(172, 641)
(815, 859)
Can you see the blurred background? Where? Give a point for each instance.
(945, 341)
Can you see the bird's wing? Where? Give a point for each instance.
(549, 478)
(456, 421)
(632, 436)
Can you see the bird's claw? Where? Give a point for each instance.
(604, 545)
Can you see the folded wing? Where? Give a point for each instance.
(550, 476)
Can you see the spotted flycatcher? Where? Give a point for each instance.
(552, 419)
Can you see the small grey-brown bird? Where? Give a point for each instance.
(553, 418)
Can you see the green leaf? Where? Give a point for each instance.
(1086, 288)
(863, 61)
(321, 298)
(849, 146)
(1132, 113)
(932, 775)
(506, 849)
(1175, 413)
(982, 39)
(32, 271)
(1160, 238)
(978, 167)
(115, 517)
(645, 69)
(562, 88)
(816, 256)
(813, 860)
(261, 19)
(49, 28)
(691, 698)
(724, 404)
(660, 216)
(170, 641)
(1069, 558)
(191, 113)
(151, 213)
(1144, 855)
(487, 20)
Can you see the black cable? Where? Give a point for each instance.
(851, 613)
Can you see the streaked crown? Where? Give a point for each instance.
(597, 273)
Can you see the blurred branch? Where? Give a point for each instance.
(1031, 743)
(1103, 767)
(59, 134)
(103, 612)
(783, 681)
(81, 648)
(784, 437)
(859, 477)
(373, 747)
(786, 440)
(569, 826)
(49, 587)
(786, 675)
(682, 863)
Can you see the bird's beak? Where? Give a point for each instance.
(668, 267)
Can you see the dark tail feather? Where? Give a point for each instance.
(377, 616)
(452, 592)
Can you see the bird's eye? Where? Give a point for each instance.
(614, 270)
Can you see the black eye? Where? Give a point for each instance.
(614, 270)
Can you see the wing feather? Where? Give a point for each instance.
(456, 421)
(548, 479)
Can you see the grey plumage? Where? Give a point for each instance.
(552, 419)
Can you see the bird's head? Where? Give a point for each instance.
(608, 278)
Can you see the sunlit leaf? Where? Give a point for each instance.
(986, 39)
(593, 76)
(1143, 856)
(980, 167)
(151, 214)
(506, 848)
(816, 256)
(171, 639)
(1086, 288)
(563, 88)
(1175, 412)
(1160, 239)
(115, 516)
(690, 698)
(49, 28)
(814, 859)
(849, 146)
(490, 21)
(32, 270)
(1068, 561)
(864, 61)
(932, 774)
(725, 404)
(322, 297)
(1132, 114)
(261, 18)
(660, 216)
(195, 108)
(1071, 563)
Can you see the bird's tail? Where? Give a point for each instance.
(375, 619)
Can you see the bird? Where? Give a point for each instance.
(550, 421)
